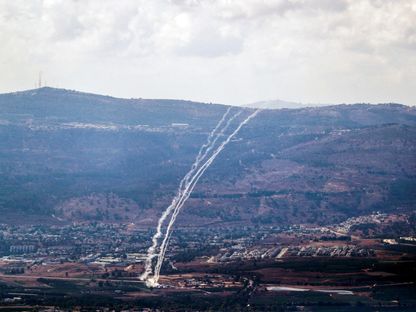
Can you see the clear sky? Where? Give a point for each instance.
(234, 52)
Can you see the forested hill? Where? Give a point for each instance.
(67, 155)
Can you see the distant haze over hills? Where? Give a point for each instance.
(264, 104)
(276, 104)
(279, 104)
(71, 156)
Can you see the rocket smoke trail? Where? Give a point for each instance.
(186, 187)
(151, 253)
(184, 184)
(188, 192)
(183, 196)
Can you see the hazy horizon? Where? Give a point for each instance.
(214, 51)
(264, 104)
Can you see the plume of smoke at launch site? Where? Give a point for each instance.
(187, 193)
(151, 253)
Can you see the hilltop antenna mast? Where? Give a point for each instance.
(40, 80)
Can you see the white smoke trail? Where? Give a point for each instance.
(154, 281)
(208, 147)
(180, 193)
(209, 142)
(184, 185)
(151, 252)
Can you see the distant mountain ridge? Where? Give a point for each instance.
(275, 104)
(280, 104)
(62, 103)
(71, 156)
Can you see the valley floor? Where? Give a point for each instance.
(298, 268)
